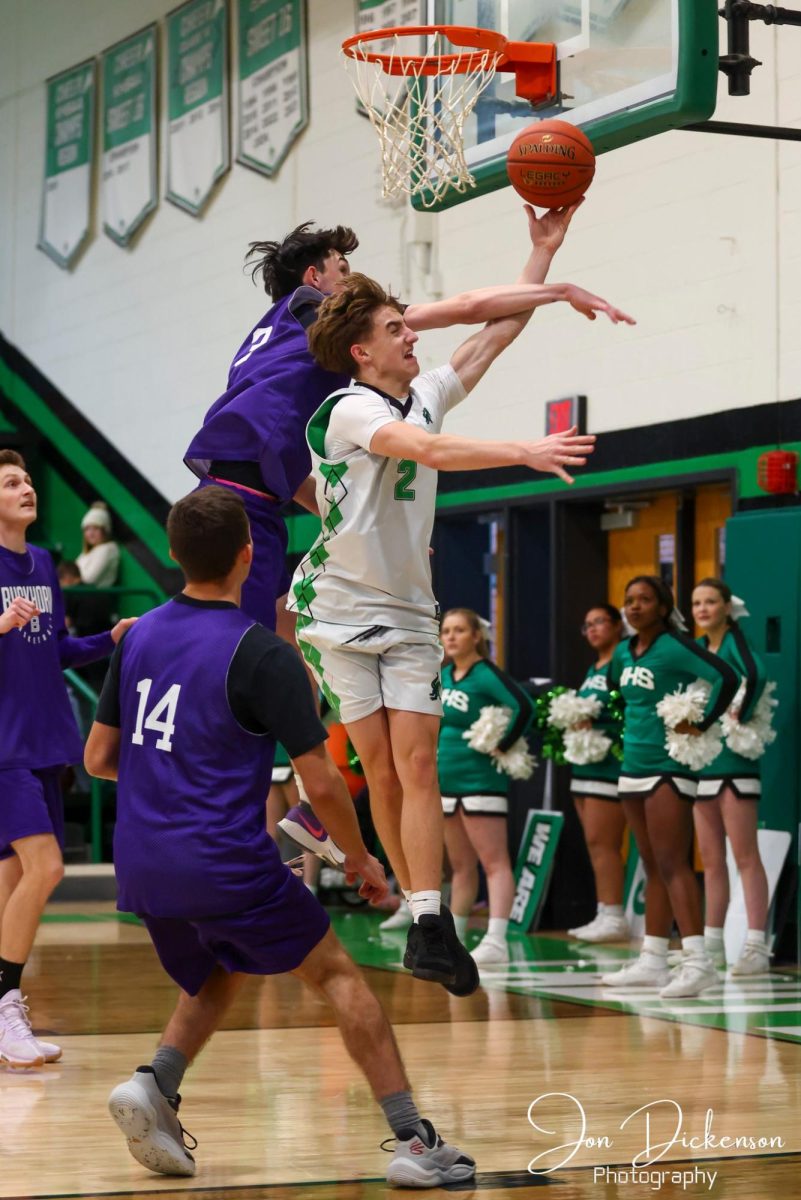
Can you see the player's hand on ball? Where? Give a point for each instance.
(18, 614)
(589, 306)
(560, 451)
(374, 885)
(121, 627)
(548, 231)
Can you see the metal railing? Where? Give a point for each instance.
(96, 789)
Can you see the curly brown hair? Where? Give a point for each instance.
(345, 319)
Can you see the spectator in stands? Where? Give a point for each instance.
(99, 560)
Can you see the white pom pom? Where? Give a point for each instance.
(695, 751)
(583, 746)
(517, 762)
(751, 738)
(690, 750)
(486, 732)
(684, 705)
(569, 709)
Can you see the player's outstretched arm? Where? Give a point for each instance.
(480, 305)
(475, 356)
(330, 799)
(557, 454)
(101, 755)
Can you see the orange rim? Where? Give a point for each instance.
(483, 41)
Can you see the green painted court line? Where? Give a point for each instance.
(743, 1008)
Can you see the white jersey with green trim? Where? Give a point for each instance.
(370, 565)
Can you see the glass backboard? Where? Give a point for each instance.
(628, 69)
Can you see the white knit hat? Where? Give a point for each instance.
(98, 515)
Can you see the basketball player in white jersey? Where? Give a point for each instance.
(367, 618)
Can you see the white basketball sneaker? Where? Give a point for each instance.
(423, 1160)
(754, 960)
(638, 973)
(693, 975)
(400, 919)
(18, 1046)
(149, 1121)
(606, 927)
(490, 953)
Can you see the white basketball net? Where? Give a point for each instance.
(420, 118)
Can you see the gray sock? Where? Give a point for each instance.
(169, 1066)
(400, 1111)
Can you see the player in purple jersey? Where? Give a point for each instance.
(195, 698)
(38, 737)
(253, 437)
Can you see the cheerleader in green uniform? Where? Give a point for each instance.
(594, 788)
(474, 793)
(657, 792)
(729, 790)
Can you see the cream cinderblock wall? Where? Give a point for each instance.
(698, 236)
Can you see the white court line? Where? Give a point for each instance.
(727, 1009)
(789, 1030)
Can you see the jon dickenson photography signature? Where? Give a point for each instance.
(662, 1128)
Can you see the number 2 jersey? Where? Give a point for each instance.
(462, 770)
(370, 564)
(199, 693)
(672, 661)
(274, 386)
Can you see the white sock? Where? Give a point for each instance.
(496, 929)
(460, 924)
(611, 910)
(425, 902)
(694, 946)
(756, 937)
(713, 934)
(654, 950)
(301, 789)
(407, 895)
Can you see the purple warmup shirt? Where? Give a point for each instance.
(190, 839)
(37, 728)
(274, 388)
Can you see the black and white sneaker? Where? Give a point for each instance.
(423, 1160)
(149, 1121)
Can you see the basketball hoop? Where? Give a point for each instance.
(418, 103)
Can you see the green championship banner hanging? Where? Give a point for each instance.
(66, 199)
(534, 866)
(197, 131)
(273, 87)
(128, 187)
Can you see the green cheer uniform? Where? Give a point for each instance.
(672, 661)
(730, 770)
(598, 779)
(468, 778)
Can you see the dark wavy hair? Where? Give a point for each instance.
(610, 610)
(281, 265)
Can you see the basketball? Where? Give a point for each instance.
(551, 163)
